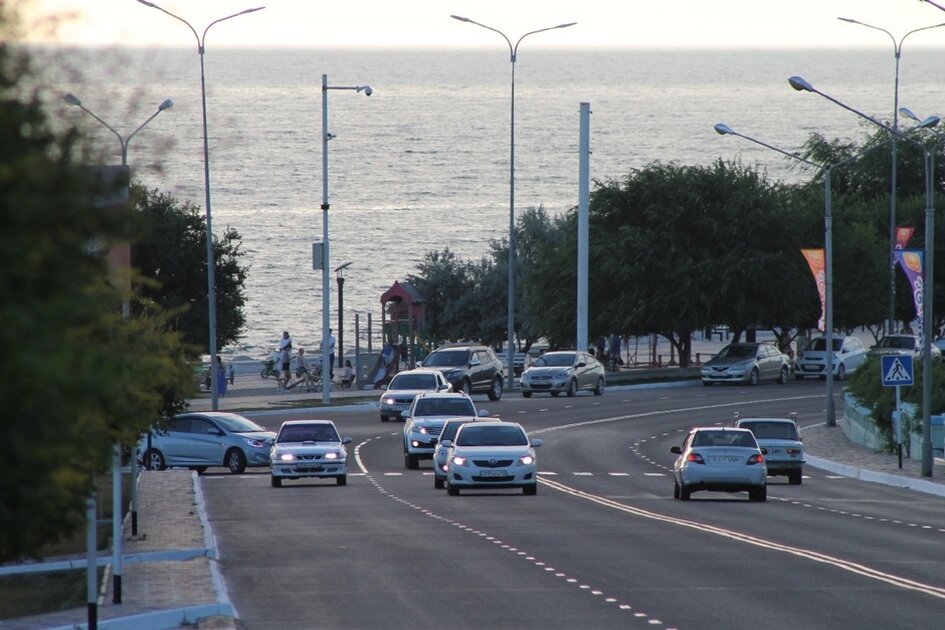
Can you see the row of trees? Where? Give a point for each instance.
(674, 249)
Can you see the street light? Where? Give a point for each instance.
(211, 282)
(513, 51)
(326, 287)
(72, 99)
(800, 84)
(340, 278)
(897, 50)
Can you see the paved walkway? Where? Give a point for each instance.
(175, 592)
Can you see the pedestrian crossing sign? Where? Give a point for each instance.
(896, 370)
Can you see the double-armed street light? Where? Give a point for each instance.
(897, 51)
(72, 99)
(513, 52)
(799, 84)
(326, 285)
(211, 282)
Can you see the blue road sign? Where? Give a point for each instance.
(896, 369)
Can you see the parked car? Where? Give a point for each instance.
(425, 419)
(448, 434)
(212, 438)
(747, 362)
(309, 448)
(469, 369)
(721, 459)
(491, 455)
(568, 372)
(849, 353)
(781, 441)
(405, 386)
(903, 344)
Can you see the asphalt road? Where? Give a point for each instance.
(602, 545)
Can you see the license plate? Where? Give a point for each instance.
(492, 473)
(725, 459)
(310, 468)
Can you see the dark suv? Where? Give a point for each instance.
(470, 369)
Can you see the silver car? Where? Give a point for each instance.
(309, 448)
(722, 459)
(849, 354)
(425, 418)
(748, 363)
(568, 372)
(212, 438)
(903, 344)
(405, 386)
(783, 449)
(490, 455)
(441, 452)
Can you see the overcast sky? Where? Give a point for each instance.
(427, 23)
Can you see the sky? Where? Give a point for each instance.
(427, 23)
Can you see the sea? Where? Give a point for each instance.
(423, 163)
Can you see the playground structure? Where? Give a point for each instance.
(403, 315)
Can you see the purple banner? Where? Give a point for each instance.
(912, 261)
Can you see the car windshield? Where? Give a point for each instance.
(737, 351)
(724, 438)
(413, 381)
(447, 358)
(237, 424)
(819, 345)
(444, 407)
(449, 430)
(771, 430)
(308, 433)
(907, 343)
(492, 436)
(565, 359)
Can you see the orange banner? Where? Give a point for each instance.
(903, 236)
(817, 264)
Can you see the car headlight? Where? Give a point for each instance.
(419, 429)
(389, 401)
(458, 460)
(526, 460)
(333, 455)
(563, 374)
(286, 457)
(254, 442)
(451, 374)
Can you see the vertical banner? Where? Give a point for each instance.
(903, 236)
(912, 261)
(815, 260)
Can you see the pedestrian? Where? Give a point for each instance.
(221, 377)
(601, 348)
(347, 375)
(285, 356)
(331, 355)
(614, 352)
(285, 341)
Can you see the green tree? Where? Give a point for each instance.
(76, 378)
(171, 251)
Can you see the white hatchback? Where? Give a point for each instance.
(849, 354)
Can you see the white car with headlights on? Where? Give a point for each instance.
(721, 459)
(441, 452)
(309, 448)
(404, 387)
(489, 455)
(425, 418)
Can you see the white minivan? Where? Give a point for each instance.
(849, 353)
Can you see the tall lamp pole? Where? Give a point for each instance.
(211, 281)
(513, 52)
(897, 51)
(798, 83)
(326, 285)
(340, 278)
(72, 99)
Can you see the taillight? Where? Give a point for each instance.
(695, 458)
(757, 458)
(794, 451)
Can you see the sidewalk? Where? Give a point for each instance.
(183, 587)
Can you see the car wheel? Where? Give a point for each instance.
(412, 462)
(199, 469)
(572, 388)
(798, 377)
(599, 389)
(555, 394)
(276, 482)
(675, 489)
(235, 461)
(795, 477)
(782, 378)
(154, 460)
(439, 484)
(453, 491)
(531, 490)
(466, 387)
(758, 494)
(526, 394)
(754, 377)
(684, 493)
(841, 372)
(342, 480)
(495, 393)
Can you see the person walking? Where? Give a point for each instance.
(331, 355)
(221, 378)
(285, 356)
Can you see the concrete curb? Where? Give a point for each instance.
(872, 476)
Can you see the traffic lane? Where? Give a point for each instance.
(633, 557)
(312, 554)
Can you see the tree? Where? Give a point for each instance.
(171, 251)
(76, 377)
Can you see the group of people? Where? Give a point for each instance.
(303, 370)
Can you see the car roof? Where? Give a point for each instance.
(306, 422)
(427, 394)
(698, 429)
(496, 422)
(419, 370)
(740, 420)
(462, 346)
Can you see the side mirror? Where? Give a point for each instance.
(214, 431)
(536, 443)
(346, 440)
(446, 443)
(482, 413)
(581, 364)
(676, 450)
(764, 451)
(405, 414)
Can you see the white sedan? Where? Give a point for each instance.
(309, 448)
(719, 458)
(491, 455)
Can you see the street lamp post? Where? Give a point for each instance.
(897, 51)
(513, 52)
(340, 278)
(71, 99)
(800, 84)
(211, 281)
(326, 286)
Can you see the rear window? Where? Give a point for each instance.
(724, 438)
(771, 430)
